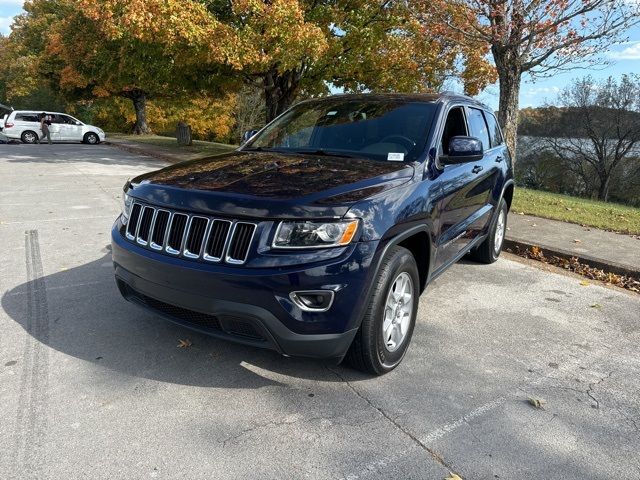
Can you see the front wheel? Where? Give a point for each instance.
(91, 138)
(489, 250)
(387, 326)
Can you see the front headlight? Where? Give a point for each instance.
(315, 234)
(127, 202)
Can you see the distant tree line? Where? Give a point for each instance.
(588, 144)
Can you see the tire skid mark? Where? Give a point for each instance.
(31, 417)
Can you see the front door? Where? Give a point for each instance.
(67, 128)
(72, 131)
(465, 205)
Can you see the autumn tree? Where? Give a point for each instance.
(535, 37)
(83, 57)
(288, 46)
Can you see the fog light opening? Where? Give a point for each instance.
(313, 300)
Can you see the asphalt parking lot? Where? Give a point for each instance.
(94, 387)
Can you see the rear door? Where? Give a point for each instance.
(465, 205)
(498, 155)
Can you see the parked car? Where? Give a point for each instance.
(317, 237)
(24, 125)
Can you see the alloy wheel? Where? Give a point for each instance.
(499, 235)
(397, 312)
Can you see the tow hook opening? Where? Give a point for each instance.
(313, 300)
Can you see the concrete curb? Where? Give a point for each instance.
(605, 265)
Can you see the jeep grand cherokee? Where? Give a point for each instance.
(317, 237)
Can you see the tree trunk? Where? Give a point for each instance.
(510, 76)
(139, 100)
(279, 91)
(603, 191)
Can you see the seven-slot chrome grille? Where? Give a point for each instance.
(189, 235)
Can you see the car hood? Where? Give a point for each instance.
(270, 184)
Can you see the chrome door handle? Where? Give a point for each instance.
(477, 169)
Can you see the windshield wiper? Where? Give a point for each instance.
(263, 149)
(254, 149)
(326, 153)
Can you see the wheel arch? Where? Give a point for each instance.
(420, 247)
(417, 240)
(507, 193)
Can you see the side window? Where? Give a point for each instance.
(478, 127)
(454, 126)
(25, 117)
(494, 129)
(68, 120)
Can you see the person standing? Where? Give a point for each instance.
(45, 121)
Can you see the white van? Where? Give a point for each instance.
(25, 125)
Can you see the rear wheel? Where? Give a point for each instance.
(29, 136)
(489, 250)
(91, 138)
(387, 326)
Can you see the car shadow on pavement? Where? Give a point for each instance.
(80, 313)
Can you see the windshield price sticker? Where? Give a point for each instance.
(395, 157)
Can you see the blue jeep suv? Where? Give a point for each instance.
(318, 235)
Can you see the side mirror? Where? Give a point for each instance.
(463, 150)
(246, 136)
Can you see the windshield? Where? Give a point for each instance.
(378, 129)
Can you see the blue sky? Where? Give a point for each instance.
(625, 58)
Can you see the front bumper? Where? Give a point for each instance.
(249, 305)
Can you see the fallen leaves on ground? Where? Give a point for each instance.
(536, 402)
(573, 264)
(596, 305)
(453, 476)
(184, 343)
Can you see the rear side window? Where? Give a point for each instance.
(494, 130)
(26, 117)
(478, 127)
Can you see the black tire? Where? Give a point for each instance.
(488, 251)
(30, 137)
(91, 138)
(369, 351)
